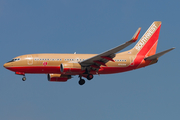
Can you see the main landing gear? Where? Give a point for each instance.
(82, 81)
(90, 76)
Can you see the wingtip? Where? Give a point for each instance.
(172, 48)
(136, 35)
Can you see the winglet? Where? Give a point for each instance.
(158, 54)
(136, 35)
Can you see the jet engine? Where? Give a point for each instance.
(58, 77)
(70, 67)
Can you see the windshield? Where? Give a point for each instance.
(16, 59)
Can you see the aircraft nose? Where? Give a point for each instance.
(7, 65)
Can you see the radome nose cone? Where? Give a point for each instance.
(4, 65)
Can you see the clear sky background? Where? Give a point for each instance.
(68, 26)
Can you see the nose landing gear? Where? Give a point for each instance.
(24, 78)
(21, 73)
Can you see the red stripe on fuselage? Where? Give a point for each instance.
(36, 69)
(56, 70)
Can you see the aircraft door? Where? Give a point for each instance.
(29, 59)
(131, 61)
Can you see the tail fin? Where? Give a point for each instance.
(148, 43)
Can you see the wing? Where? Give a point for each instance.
(101, 59)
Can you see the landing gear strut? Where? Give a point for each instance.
(81, 81)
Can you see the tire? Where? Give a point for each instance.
(81, 82)
(90, 76)
(24, 79)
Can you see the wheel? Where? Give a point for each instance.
(81, 82)
(90, 76)
(24, 78)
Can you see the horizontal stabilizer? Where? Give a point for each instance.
(158, 55)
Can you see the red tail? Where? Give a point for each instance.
(147, 44)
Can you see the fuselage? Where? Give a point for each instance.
(50, 63)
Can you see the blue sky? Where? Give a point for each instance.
(68, 26)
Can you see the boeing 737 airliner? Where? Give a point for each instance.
(61, 67)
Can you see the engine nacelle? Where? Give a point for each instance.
(58, 77)
(70, 67)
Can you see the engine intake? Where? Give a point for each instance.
(70, 67)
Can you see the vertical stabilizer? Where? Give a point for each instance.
(148, 43)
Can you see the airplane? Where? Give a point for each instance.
(61, 67)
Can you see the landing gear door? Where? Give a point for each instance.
(29, 59)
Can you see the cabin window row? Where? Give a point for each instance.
(74, 59)
(120, 60)
(47, 59)
(42, 59)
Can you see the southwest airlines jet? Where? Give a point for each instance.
(61, 67)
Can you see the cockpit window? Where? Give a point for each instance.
(16, 59)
